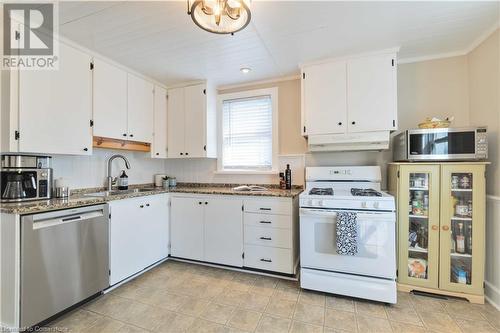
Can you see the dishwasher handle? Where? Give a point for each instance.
(65, 219)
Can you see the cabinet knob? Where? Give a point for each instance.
(124, 134)
(142, 206)
(181, 153)
(434, 227)
(199, 203)
(446, 228)
(147, 205)
(206, 203)
(340, 123)
(85, 149)
(354, 123)
(187, 154)
(157, 154)
(131, 135)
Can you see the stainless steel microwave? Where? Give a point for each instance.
(441, 144)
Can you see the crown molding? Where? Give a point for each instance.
(255, 83)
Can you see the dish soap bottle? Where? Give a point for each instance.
(123, 181)
(288, 177)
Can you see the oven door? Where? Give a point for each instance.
(376, 243)
(442, 144)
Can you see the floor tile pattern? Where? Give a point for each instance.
(182, 297)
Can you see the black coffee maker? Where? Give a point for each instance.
(25, 177)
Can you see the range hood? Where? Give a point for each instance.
(349, 141)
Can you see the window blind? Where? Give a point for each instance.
(247, 133)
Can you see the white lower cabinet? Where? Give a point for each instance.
(139, 234)
(207, 228)
(271, 234)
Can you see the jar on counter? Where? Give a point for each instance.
(172, 182)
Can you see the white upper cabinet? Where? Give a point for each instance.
(55, 106)
(140, 109)
(159, 146)
(372, 93)
(191, 122)
(175, 122)
(350, 95)
(110, 101)
(325, 106)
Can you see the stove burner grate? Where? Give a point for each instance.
(365, 192)
(321, 191)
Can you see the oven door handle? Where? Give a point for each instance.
(318, 212)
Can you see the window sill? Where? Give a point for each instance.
(245, 172)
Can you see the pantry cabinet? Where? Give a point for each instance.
(350, 95)
(55, 106)
(207, 228)
(139, 234)
(441, 226)
(159, 146)
(191, 121)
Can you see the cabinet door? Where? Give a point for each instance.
(159, 147)
(324, 98)
(140, 109)
(110, 100)
(154, 210)
(175, 123)
(186, 227)
(195, 122)
(418, 223)
(224, 231)
(371, 93)
(126, 239)
(462, 228)
(55, 106)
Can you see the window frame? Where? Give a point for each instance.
(273, 92)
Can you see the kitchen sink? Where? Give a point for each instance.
(118, 192)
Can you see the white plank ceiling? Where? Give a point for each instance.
(159, 39)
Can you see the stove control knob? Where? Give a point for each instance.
(376, 205)
(363, 204)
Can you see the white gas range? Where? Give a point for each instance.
(370, 271)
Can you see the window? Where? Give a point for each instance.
(248, 131)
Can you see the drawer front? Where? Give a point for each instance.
(268, 220)
(269, 206)
(269, 258)
(268, 236)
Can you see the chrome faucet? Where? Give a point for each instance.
(110, 178)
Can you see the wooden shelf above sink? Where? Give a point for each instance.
(101, 142)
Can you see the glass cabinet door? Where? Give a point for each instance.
(462, 228)
(418, 223)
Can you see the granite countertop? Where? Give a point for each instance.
(81, 197)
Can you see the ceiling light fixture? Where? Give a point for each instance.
(220, 16)
(245, 70)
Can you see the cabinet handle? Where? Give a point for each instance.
(187, 154)
(446, 228)
(354, 123)
(142, 206)
(261, 208)
(147, 205)
(85, 149)
(181, 153)
(266, 260)
(266, 238)
(131, 135)
(199, 203)
(124, 134)
(206, 203)
(265, 222)
(157, 154)
(434, 227)
(340, 123)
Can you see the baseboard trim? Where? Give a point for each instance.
(492, 294)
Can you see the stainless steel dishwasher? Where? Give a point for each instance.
(64, 260)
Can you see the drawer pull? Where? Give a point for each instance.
(265, 222)
(266, 260)
(266, 238)
(261, 208)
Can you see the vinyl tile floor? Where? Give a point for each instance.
(182, 297)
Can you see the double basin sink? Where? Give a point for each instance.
(111, 193)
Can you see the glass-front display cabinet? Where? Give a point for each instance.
(441, 225)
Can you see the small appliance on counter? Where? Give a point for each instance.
(159, 179)
(25, 177)
(441, 144)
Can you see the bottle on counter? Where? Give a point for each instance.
(282, 181)
(123, 181)
(288, 177)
